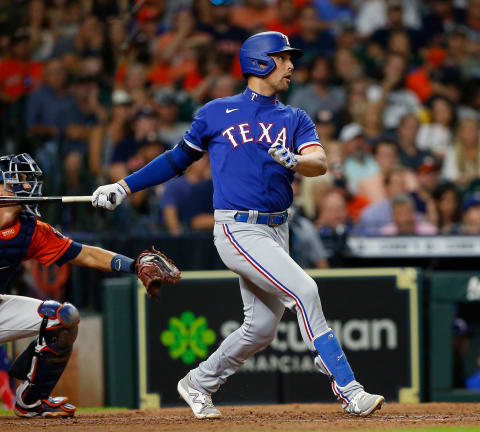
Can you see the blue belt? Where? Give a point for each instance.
(270, 219)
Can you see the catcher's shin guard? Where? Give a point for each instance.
(45, 359)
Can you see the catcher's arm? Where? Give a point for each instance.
(104, 260)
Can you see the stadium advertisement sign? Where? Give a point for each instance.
(374, 313)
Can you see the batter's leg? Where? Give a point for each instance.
(257, 253)
(262, 314)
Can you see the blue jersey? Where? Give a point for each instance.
(237, 132)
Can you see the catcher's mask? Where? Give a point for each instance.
(20, 175)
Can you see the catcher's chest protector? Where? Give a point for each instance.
(13, 250)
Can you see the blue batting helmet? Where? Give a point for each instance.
(257, 49)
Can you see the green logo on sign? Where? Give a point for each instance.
(188, 337)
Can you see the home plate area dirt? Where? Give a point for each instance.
(294, 417)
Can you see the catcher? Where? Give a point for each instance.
(55, 325)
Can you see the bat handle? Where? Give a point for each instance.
(112, 198)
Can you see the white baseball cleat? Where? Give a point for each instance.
(200, 403)
(363, 404)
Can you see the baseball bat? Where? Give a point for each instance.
(7, 201)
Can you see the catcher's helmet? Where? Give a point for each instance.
(18, 171)
(256, 51)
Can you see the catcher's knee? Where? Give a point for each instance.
(45, 359)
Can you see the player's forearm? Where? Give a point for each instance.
(161, 169)
(312, 164)
(94, 257)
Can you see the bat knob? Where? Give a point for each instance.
(112, 198)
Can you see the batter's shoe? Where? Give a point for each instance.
(51, 407)
(200, 403)
(363, 404)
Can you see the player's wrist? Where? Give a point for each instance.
(123, 264)
(124, 185)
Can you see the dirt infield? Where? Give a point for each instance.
(295, 417)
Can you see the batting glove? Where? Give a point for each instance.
(109, 196)
(283, 156)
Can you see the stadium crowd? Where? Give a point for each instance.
(97, 88)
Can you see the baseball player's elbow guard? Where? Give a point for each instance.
(45, 359)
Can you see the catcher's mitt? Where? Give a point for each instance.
(153, 268)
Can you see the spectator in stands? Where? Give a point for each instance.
(347, 67)
(385, 153)
(105, 136)
(199, 204)
(436, 136)
(379, 213)
(333, 218)
(471, 214)
(462, 160)
(438, 21)
(406, 137)
(428, 176)
(136, 84)
(356, 101)
(90, 38)
(318, 94)
(447, 200)
(174, 199)
(334, 10)
(80, 118)
(253, 15)
(19, 75)
(46, 122)
(359, 163)
(286, 20)
(473, 20)
(325, 126)
(371, 122)
(405, 221)
(170, 129)
(225, 85)
(373, 14)
(227, 36)
(345, 35)
(398, 101)
(313, 37)
(395, 24)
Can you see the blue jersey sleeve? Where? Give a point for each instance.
(197, 136)
(306, 134)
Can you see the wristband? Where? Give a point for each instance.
(122, 264)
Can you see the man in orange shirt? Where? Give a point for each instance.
(18, 74)
(23, 237)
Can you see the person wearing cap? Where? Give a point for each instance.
(471, 214)
(325, 125)
(406, 137)
(359, 163)
(170, 129)
(319, 94)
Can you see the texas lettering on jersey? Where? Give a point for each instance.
(237, 132)
(241, 134)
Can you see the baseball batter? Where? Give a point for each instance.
(55, 325)
(255, 144)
